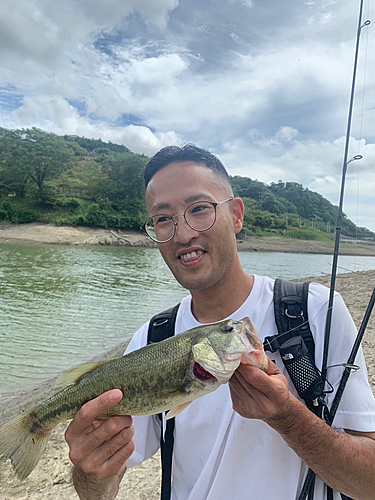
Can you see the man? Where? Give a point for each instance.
(253, 437)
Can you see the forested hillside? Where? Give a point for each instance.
(78, 181)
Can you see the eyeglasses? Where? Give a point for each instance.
(199, 216)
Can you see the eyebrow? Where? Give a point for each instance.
(190, 199)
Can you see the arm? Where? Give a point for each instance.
(345, 461)
(89, 488)
(99, 450)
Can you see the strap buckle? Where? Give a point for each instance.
(271, 344)
(294, 316)
(160, 322)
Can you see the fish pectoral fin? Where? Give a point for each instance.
(175, 411)
(71, 376)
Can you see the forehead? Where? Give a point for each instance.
(178, 184)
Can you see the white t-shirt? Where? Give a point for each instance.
(219, 455)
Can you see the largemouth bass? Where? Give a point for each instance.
(165, 376)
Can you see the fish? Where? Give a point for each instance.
(167, 375)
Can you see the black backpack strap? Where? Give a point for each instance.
(161, 327)
(290, 308)
(295, 342)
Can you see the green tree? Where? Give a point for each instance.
(125, 174)
(14, 176)
(32, 157)
(47, 157)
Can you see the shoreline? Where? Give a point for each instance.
(13, 403)
(48, 234)
(52, 476)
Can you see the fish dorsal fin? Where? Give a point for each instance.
(175, 411)
(71, 376)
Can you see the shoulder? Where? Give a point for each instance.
(139, 339)
(319, 297)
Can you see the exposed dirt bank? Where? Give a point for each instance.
(66, 235)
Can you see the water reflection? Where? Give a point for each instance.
(61, 305)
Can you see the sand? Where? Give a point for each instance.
(51, 479)
(36, 233)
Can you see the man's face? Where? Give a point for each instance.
(198, 260)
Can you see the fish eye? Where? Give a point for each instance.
(227, 328)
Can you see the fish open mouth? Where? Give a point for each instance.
(200, 373)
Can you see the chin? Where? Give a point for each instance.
(197, 284)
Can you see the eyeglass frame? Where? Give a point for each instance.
(214, 204)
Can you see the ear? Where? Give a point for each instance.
(238, 214)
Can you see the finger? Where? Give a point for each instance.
(253, 377)
(272, 368)
(243, 403)
(242, 389)
(86, 448)
(236, 389)
(109, 428)
(105, 432)
(110, 458)
(89, 411)
(110, 447)
(117, 463)
(266, 389)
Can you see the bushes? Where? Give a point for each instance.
(258, 220)
(301, 234)
(129, 214)
(17, 212)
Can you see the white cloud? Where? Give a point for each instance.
(246, 3)
(270, 98)
(45, 110)
(143, 140)
(316, 165)
(46, 36)
(111, 12)
(55, 114)
(321, 18)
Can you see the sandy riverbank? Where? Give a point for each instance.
(67, 235)
(51, 478)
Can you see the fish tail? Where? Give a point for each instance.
(23, 441)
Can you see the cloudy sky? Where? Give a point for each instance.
(264, 84)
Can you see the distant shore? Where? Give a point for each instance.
(48, 234)
(51, 478)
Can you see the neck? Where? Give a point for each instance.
(218, 302)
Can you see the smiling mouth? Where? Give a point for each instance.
(191, 255)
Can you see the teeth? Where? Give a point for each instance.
(191, 255)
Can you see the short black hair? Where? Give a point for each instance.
(177, 154)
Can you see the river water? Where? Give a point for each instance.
(62, 305)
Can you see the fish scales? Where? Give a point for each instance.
(137, 375)
(158, 377)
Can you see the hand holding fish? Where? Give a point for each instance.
(100, 448)
(167, 375)
(258, 394)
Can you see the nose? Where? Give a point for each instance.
(184, 233)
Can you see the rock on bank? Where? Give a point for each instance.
(49, 234)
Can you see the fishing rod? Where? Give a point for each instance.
(327, 332)
(349, 368)
(308, 487)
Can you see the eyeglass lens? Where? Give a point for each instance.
(200, 216)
